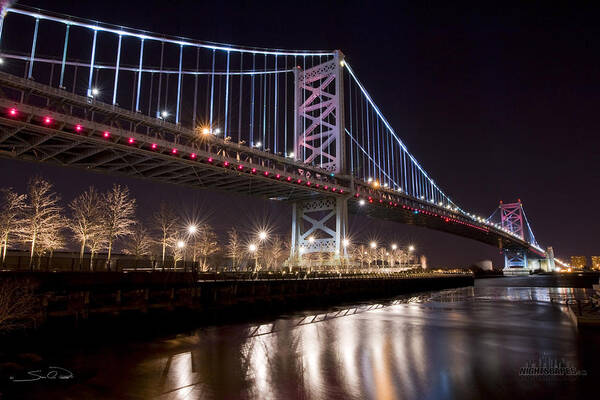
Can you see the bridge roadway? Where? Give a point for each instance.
(45, 124)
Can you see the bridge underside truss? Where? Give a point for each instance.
(26, 136)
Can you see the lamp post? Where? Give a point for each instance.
(192, 230)
(181, 246)
(253, 249)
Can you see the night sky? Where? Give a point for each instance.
(496, 104)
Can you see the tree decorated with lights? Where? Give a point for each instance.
(11, 214)
(86, 218)
(118, 216)
(42, 214)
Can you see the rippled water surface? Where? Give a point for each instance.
(463, 343)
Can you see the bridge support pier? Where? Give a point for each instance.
(319, 226)
(515, 262)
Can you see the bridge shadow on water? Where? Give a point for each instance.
(468, 343)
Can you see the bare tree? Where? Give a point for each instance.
(360, 254)
(50, 240)
(166, 222)
(42, 214)
(177, 251)
(277, 253)
(17, 303)
(86, 221)
(96, 241)
(11, 209)
(207, 245)
(139, 243)
(235, 248)
(118, 216)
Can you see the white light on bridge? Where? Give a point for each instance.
(95, 92)
(164, 114)
(291, 154)
(258, 144)
(361, 202)
(311, 239)
(217, 131)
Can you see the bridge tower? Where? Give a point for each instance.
(511, 217)
(319, 225)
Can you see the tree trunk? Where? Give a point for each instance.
(4, 246)
(50, 259)
(108, 256)
(81, 252)
(91, 259)
(164, 249)
(31, 254)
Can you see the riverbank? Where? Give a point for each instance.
(77, 300)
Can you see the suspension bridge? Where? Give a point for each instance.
(294, 126)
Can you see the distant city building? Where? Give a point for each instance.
(596, 262)
(578, 261)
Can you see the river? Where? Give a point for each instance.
(466, 343)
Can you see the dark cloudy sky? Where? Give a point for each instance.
(497, 104)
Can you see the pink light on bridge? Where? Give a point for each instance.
(13, 112)
(78, 128)
(47, 120)
(106, 134)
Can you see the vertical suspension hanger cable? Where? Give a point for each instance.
(158, 96)
(240, 100)
(252, 90)
(64, 57)
(276, 77)
(226, 97)
(139, 80)
(89, 90)
(117, 63)
(196, 89)
(212, 92)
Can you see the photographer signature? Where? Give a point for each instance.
(51, 373)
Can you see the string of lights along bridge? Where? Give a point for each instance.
(295, 125)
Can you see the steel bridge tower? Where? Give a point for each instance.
(511, 217)
(320, 224)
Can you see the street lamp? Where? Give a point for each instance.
(192, 229)
(373, 245)
(394, 246)
(252, 248)
(311, 239)
(181, 245)
(346, 242)
(411, 248)
(262, 235)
